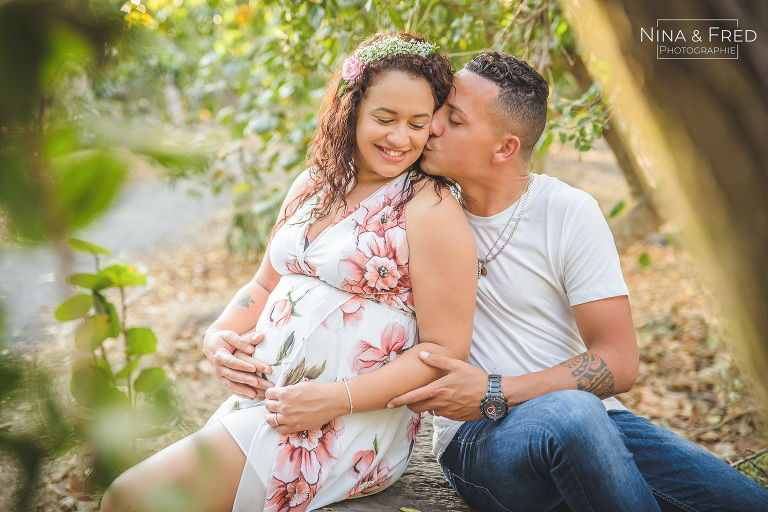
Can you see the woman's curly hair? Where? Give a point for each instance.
(331, 153)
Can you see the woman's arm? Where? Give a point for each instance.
(231, 330)
(443, 272)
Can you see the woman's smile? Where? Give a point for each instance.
(392, 155)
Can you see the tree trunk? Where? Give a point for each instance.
(704, 124)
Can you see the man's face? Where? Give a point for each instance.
(461, 132)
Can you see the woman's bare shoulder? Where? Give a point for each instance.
(430, 201)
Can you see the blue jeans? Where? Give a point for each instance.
(563, 451)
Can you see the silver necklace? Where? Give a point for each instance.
(482, 271)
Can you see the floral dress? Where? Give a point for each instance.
(343, 307)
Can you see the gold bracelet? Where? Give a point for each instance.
(349, 395)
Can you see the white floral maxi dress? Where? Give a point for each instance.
(343, 307)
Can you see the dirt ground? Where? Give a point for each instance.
(688, 381)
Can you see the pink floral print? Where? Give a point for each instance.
(381, 216)
(280, 314)
(379, 267)
(295, 267)
(308, 454)
(283, 310)
(413, 427)
(370, 478)
(358, 315)
(347, 314)
(366, 357)
(289, 496)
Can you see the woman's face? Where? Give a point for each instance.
(392, 125)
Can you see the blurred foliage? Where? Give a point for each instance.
(259, 69)
(95, 381)
(43, 433)
(124, 402)
(62, 162)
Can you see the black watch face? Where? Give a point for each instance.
(494, 408)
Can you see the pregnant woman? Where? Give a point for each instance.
(366, 247)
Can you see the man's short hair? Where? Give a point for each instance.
(521, 107)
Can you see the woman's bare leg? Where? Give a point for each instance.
(199, 473)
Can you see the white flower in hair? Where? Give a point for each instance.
(355, 64)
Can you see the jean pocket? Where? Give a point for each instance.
(477, 496)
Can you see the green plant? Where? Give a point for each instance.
(123, 402)
(95, 381)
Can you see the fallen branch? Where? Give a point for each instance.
(750, 458)
(724, 421)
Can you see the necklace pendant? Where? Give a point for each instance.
(483, 270)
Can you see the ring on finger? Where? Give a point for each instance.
(274, 415)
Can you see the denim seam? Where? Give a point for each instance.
(671, 500)
(488, 493)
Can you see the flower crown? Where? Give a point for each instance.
(355, 64)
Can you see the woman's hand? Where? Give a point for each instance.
(229, 356)
(305, 405)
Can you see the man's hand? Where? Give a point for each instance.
(229, 356)
(305, 405)
(456, 395)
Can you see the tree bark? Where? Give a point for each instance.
(704, 122)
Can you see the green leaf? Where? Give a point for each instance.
(127, 371)
(83, 246)
(104, 307)
(91, 385)
(149, 380)
(74, 307)
(124, 275)
(88, 182)
(644, 260)
(315, 371)
(286, 349)
(544, 142)
(90, 281)
(562, 26)
(617, 209)
(295, 374)
(406, 509)
(92, 332)
(376, 444)
(140, 340)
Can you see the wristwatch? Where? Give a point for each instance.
(494, 405)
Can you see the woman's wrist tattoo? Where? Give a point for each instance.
(592, 374)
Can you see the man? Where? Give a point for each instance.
(552, 327)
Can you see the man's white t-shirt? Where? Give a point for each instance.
(561, 255)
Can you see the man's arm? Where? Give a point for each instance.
(608, 367)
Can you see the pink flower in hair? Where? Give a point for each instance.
(352, 68)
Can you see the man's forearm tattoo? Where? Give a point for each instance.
(592, 374)
(245, 301)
